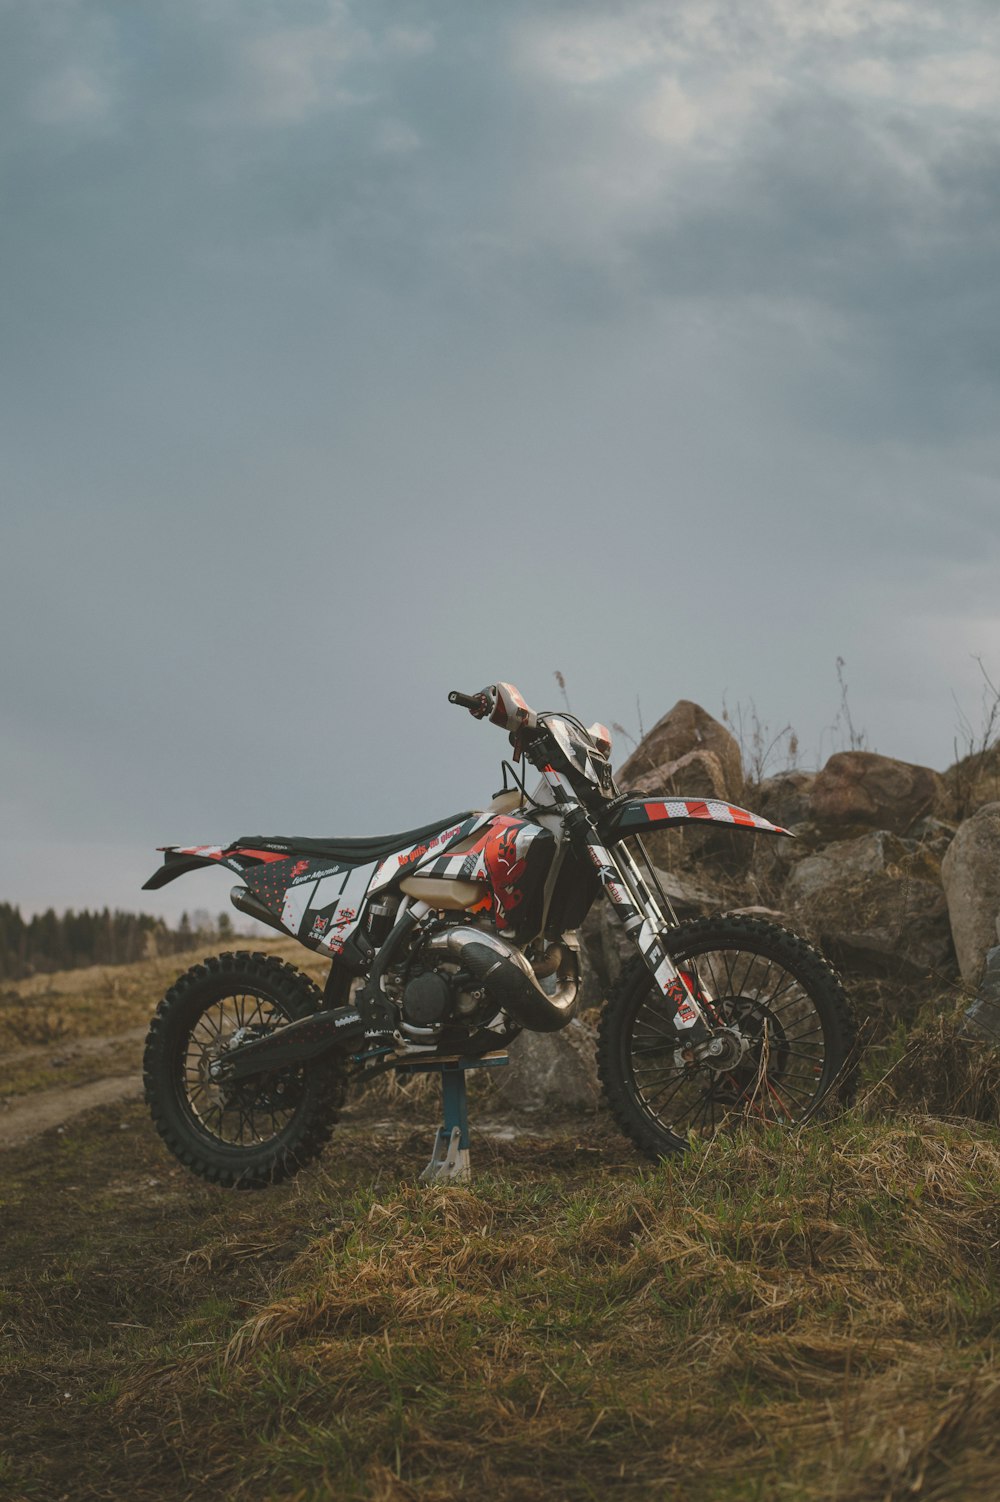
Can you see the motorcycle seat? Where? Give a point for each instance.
(350, 852)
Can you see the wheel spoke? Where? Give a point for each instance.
(243, 1120)
(768, 988)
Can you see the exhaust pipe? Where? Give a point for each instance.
(509, 980)
(502, 971)
(244, 901)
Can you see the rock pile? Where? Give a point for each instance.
(894, 871)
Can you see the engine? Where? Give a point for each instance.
(444, 992)
(470, 978)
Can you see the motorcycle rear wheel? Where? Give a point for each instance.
(266, 1128)
(767, 983)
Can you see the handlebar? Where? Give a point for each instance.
(502, 703)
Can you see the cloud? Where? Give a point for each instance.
(840, 159)
(355, 352)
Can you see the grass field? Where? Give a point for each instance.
(809, 1316)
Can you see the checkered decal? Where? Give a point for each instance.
(641, 814)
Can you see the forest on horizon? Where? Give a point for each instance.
(65, 941)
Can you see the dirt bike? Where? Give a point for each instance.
(446, 941)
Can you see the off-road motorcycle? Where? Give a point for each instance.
(450, 939)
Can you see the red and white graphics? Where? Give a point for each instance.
(654, 813)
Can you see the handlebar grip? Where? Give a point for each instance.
(478, 705)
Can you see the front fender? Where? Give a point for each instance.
(641, 815)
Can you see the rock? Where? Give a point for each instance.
(686, 728)
(689, 898)
(971, 783)
(971, 875)
(933, 834)
(784, 798)
(553, 1071)
(848, 860)
(981, 1022)
(858, 788)
(874, 904)
(774, 857)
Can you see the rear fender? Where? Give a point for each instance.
(641, 815)
(178, 860)
(317, 900)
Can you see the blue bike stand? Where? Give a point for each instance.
(450, 1158)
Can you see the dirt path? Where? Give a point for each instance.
(110, 1064)
(52, 1108)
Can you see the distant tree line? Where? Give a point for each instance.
(63, 941)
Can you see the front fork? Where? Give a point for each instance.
(645, 924)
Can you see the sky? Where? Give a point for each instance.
(354, 353)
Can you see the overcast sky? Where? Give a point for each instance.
(356, 352)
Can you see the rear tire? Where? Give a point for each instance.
(264, 1129)
(770, 985)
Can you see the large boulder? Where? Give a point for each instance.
(696, 774)
(683, 730)
(971, 875)
(874, 904)
(858, 788)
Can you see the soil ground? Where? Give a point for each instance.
(791, 1317)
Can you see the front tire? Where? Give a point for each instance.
(774, 989)
(264, 1129)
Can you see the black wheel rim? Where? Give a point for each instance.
(783, 1074)
(256, 1111)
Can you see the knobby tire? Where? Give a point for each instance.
(635, 1053)
(297, 1105)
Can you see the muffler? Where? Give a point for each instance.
(509, 980)
(244, 901)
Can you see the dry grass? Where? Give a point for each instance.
(105, 999)
(939, 1073)
(789, 1317)
(764, 1320)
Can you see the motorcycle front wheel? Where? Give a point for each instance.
(265, 1128)
(770, 986)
